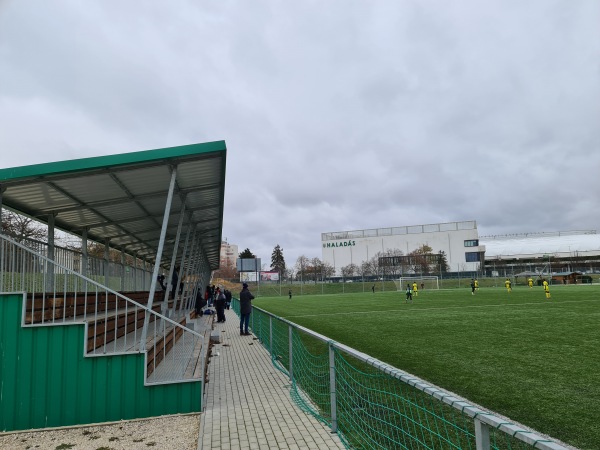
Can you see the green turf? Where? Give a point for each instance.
(534, 360)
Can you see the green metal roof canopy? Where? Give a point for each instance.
(122, 198)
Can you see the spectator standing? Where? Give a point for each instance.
(161, 282)
(246, 298)
(207, 295)
(199, 303)
(212, 295)
(227, 298)
(174, 280)
(220, 305)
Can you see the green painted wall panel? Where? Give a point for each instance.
(45, 381)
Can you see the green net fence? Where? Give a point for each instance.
(374, 406)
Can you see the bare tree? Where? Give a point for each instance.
(366, 269)
(328, 270)
(349, 271)
(226, 273)
(422, 259)
(20, 227)
(302, 264)
(317, 269)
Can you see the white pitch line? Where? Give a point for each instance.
(541, 302)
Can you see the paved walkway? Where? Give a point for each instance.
(248, 403)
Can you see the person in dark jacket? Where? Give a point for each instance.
(199, 303)
(220, 305)
(174, 279)
(227, 298)
(246, 298)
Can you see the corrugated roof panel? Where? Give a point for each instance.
(92, 188)
(200, 173)
(123, 197)
(122, 211)
(144, 181)
(82, 217)
(39, 197)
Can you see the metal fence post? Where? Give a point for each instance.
(332, 388)
(271, 335)
(290, 346)
(482, 435)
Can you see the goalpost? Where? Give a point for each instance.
(428, 282)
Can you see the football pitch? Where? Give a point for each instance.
(534, 360)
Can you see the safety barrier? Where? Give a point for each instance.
(115, 323)
(373, 405)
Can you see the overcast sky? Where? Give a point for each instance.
(338, 115)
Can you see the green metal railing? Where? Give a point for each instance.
(115, 324)
(372, 405)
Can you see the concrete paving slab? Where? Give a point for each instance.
(248, 403)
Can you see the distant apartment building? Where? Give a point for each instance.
(229, 255)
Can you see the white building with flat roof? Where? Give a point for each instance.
(458, 240)
(229, 255)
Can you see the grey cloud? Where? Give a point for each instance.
(336, 115)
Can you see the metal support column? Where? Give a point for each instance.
(135, 263)
(144, 273)
(170, 286)
(189, 288)
(106, 263)
(50, 280)
(2, 189)
(181, 274)
(122, 269)
(84, 252)
(161, 244)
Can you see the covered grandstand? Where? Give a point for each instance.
(542, 253)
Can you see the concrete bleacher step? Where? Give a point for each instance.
(184, 358)
(116, 327)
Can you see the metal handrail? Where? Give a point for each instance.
(95, 316)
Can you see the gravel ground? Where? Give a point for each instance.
(167, 432)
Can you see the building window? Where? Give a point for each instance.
(472, 243)
(472, 256)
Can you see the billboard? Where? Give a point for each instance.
(269, 276)
(264, 276)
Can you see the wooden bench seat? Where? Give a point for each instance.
(162, 345)
(105, 330)
(51, 307)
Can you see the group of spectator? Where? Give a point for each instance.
(174, 280)
(219, 298)
(214, 296)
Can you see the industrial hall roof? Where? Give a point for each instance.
(557, 244)
(122, 198)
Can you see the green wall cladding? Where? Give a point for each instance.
(45, 381)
